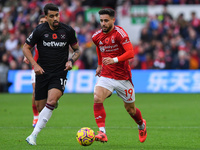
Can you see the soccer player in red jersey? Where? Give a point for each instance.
(114, 49)
(41, 19)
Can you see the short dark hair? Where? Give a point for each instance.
(107, 11)
(41, 16)
(50, 6)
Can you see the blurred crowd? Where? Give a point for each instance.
(166, 42)
(163, 2)
(19, 18)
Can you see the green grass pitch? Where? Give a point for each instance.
(173, 123)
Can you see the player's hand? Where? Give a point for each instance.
(68, 66)
(107, 61)
(26, 60)
(38, 70)
(98, 70)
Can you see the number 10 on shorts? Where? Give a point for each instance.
(63, 82)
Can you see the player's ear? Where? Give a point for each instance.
(113, 19)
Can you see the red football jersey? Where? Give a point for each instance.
(111, 45)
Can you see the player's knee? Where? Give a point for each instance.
(130, 110)
(52, 101)
(97, 99)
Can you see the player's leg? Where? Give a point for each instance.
(53, 96)
(100, 94)
(125, 90)
(102, 90)
(34, 108)
(50, 87)
(135, 113)
(41, 93)
(40, 104)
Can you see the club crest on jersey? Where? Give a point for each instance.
(112, 39)
(62, 36)
(102, 48)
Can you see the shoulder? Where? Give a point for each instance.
(42, 27)
(96, 34)
(121, 31)
(66, 27)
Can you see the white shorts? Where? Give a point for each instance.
(124, 88)
(32, 76)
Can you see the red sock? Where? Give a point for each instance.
(35, 111)
(138, 117)
(99, 114)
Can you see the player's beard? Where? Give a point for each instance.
(107, 30)
(56, 25)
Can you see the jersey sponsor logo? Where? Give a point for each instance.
(102, 48)
(54, 44)
(109, 48)
(54, 36)
(100, 43)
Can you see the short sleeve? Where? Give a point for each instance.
(123, 37)
(94, 41)
(125, 41)
(73, 38)
(33, 38)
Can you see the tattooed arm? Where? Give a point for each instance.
(75, 56)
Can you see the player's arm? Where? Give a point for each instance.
(74, 57)
(26, 60)
(129, 53)
(99, 68)
(36, 54)
(27, 53)
(35, 57)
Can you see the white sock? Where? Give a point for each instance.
(102, 129)
(35, 117)
(141, 127)
(44, 116)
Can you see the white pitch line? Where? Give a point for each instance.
(153, 127)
